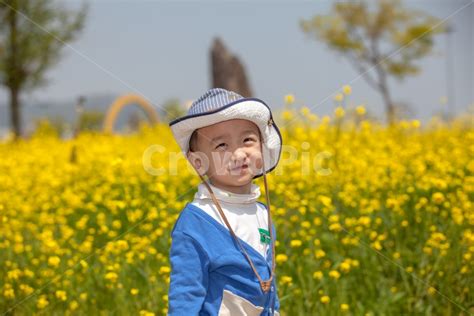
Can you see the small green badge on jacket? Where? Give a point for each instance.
(264, 236)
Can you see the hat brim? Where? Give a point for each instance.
(252, 109)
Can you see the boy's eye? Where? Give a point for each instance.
(220, 145)
(249, 139)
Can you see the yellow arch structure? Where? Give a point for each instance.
(123, 101)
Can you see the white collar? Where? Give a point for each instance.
(226, 196)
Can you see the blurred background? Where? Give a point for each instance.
(161, 50)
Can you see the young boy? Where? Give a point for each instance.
(223, 251)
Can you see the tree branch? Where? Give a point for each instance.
(363, 71)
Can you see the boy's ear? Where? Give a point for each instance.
(196, 159)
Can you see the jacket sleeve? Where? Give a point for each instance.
(189, 275)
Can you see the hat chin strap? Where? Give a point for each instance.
(264, 284)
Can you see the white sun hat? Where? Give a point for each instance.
(218, 105)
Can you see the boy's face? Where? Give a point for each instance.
(229, 153)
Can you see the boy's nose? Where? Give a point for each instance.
(239, 157)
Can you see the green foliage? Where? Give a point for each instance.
(90, 121)
(45, 128)
(359, 32)
(32, 34)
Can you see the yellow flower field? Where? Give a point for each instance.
(370, 220)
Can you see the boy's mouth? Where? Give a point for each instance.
(240, 168)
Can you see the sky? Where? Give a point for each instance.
(160, 50)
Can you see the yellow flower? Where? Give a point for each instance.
(61, 295)
(326, 119)
(334, 274)
(339, 97)
(286, 279)
(122, 244)
(116, 224)
(313, 117)
(295, 243)
(287, 115)
(428, 250)
(317, 221)
(305, 111)
(438, 197)
(346, 89)
(318, 275)
(281, 258)
(25, 288)
(319, 253)
(360, 110)
(73, 305)
(14, 274)
(335, 227)
(377, 245)
(54, 261)
(339, 112)
(344, 307)
(111, 276)
(431, 290)
(134, 291)
(289, 99)
(325, 299)
(84, 264)
(164, 270)
(345, 266)
(42, 302)
(9, 293)
(365, 221)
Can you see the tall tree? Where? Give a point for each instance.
(379, 39)
(32, 33)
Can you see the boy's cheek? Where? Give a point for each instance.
(257, 161)
(217, 169)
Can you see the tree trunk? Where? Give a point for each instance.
(389, 107)
(383, 86)
(377, 61)
(15, 113)
(13, 82)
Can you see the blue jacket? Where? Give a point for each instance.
(209, 274)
